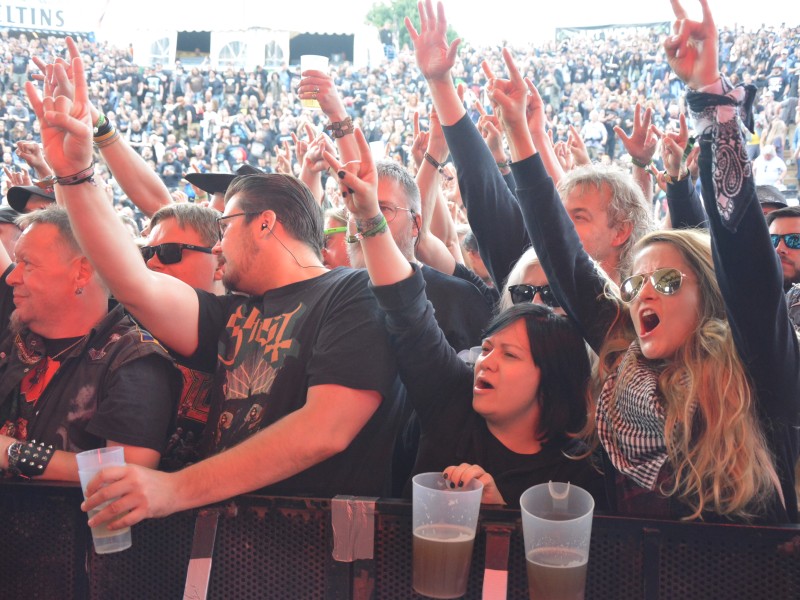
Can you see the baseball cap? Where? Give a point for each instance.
(19, 195)
(217, 183)
(8, 215)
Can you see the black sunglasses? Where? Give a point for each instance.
(792, 240)
(525, 292)
(666, 281)
(171, 253)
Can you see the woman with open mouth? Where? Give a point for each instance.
(698, 410)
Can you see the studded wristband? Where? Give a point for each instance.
(29, 459)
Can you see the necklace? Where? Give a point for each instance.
(68, 348)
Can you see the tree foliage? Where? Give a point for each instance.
(395, 11)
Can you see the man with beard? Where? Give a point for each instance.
(75, 374)
(303, 396)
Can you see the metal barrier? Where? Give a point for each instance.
(277, 547)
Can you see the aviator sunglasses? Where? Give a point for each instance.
(171, 253)
(792, 240)
(666, 281)
(525, 292)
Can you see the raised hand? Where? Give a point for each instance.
(31, 153)
(489, 128)
(641, 144)
(360, 180)
(314, 159)
(320, 86)
(284, 159)
(66, 122)
(420, 145)
(435, 57)
(509, 96)
(576, 146)
(673, 146)
(16, 177)
(301, 146)
(692, 51)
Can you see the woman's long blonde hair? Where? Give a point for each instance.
(719, 457)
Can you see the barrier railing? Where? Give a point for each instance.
(279, 547)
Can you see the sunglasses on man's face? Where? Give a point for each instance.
(171, 253)
(666, 281)
(792, 240)
(525, 292)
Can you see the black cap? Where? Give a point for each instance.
(8, 214)
(217, 183)
(19, 194)
(771, 196)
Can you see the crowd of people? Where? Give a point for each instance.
(487, 293)
(199, 119)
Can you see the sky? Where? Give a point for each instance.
(520, 22)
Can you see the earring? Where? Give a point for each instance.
(78, 291)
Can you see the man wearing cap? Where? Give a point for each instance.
(770, 198)
(216, 184)
(27, 198)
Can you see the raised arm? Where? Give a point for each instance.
(573, 275)
(67, 139)
(641, 145)
(744, 258)
(491, 206)
(685, 205)
(139, 182)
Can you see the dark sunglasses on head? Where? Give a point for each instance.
(792, 240)
(525, 292)
(666, 281)
(170, 253)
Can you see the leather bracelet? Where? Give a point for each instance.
(339, 129)
(438, 166)
(29, 459)
(640, 164)
(80, 177)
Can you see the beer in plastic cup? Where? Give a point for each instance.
(557, 527)
(444, 523)
(89, 464)
(312, 62)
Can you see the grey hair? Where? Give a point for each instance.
(198, 218)
(515, 276)
(52, 215)
(627, 203)
(398, 173)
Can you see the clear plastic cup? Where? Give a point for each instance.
(444, 523)
(312, 62)
(89, 464)
(557, 527)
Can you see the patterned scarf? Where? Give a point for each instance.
(630, 419)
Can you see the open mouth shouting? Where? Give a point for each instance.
(648, 321)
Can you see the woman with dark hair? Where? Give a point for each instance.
(509, 422)
(698, 412)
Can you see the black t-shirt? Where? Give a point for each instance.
(273, 348)
(462, 311)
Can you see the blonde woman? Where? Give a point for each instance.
(698, 412)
